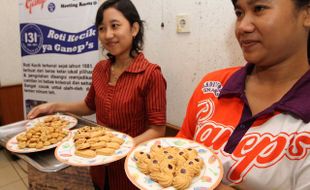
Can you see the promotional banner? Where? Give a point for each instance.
(59, 48)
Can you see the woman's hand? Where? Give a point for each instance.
(78, 108)
(46, 108)
(151, 133)
(221, 186)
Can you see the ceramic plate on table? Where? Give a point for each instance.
(71, 120)
(12, 144)
(210, 175)
(65, 152)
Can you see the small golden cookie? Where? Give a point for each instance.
(105, 138)
(167, 167)
(55, 135)
(96, 134)
(39, 145)
(154, 175)
(33, 139)
(113, 145)
(180, 160)
(191, 153)
(22, 145)
(181, 182)
(154, 166)
(171, 158)
(164, 179)
(32, 145)
(105, 151)
(93, 140)
(48, 119)
(157, 148)
(47, 143)
(59, 138)
(117, 140)
(85, 153)
(184, 170)
(194, 166)
(157, 156)
(21, 137)
(98, 145)
(143, 167)
(80, 141)
(199, 161)
(172, 149)
(81, 135)
(82, 146)
(182, 153)
(53, 140)
(140, 155)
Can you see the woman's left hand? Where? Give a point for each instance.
(221, 186)
(151, 133)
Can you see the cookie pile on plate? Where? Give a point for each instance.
(52, 121)
(92, 141)
(39, 137)
(170, 166)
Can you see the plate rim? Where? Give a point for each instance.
(179, 138)
(34, 150)
(85, 165)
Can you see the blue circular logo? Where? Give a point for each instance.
(51, 7)
(31, 38)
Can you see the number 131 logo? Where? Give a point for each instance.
(31, 39)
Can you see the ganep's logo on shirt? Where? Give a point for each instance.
(256, 150)
(32, 3)
(213, 87)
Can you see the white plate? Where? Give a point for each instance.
(72, 121)
(210, 176)
(12, 145)
(65, 152)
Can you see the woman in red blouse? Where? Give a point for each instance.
(128, 93)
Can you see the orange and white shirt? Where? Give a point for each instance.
(269, 150)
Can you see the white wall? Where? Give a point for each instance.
(184, 58)
(10, 60)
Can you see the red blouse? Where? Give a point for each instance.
(136, 101)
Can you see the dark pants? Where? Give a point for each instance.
(106, 184)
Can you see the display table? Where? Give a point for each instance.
(75, 178)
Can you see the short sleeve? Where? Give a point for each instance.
(156, 99)
(90, 98)
(190, 121)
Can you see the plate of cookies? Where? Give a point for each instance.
(37, 139)
(91, 146)
(173, 163)
(57, 120)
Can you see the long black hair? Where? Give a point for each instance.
(127, 8)
(299, 4)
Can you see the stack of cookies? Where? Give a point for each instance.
(53, 121)
(39, 137)
(170, 166)
(92, 141)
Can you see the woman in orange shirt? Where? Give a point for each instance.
(256, 117)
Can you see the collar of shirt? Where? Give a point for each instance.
(139, 64)
(295, 101)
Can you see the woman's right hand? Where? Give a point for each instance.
(46, 108)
